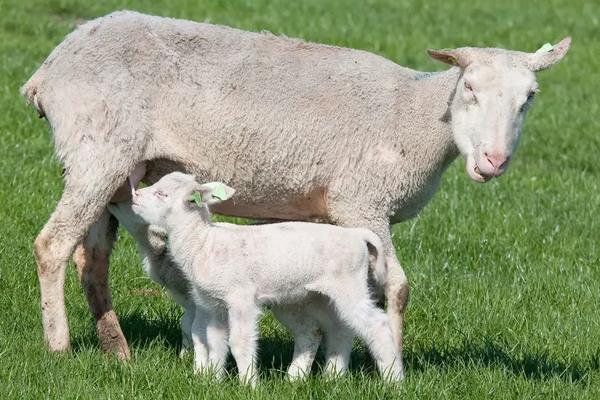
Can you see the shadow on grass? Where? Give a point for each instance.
(140, 332)
(275, 354)
(530, 365)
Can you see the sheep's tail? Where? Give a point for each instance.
(377, 263)
(31, 89)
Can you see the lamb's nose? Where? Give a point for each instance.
(497, 160)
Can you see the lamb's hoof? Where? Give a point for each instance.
(183, 352)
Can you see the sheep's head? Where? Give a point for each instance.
(175, 193)
(494, 92)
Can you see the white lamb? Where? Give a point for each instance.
(309, 322)
(234, 270)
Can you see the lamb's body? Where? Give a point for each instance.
(158, 265)
(320, 271)
(235, 270)
(310, 320)
(277, 263)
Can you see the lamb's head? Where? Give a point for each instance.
(495, 89)
(177, 194)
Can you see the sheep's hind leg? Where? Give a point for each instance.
(92, 260)
(82, 203)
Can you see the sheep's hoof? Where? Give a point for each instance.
(111, 336)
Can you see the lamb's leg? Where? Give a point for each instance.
(307, 337)
(201, 318)
(243, 335)
(187, 320)
(217, 333)
(360, 313)
(397, 290)
(91, 259)
(338, 348)
(84, 198)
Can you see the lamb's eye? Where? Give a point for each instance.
(160, 194)
(468, 86)
(531, 95)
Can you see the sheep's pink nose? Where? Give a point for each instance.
(497, 160)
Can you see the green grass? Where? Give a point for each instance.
(505, 276)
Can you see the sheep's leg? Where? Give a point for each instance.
(91, 259)
(307, 337)
(360, 313)
(243, 320)
(83, 200)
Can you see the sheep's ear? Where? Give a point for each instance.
(215, 192)
(456, 57)
(548, 55)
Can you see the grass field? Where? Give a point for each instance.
(505, 276)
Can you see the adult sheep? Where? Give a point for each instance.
(303, 131)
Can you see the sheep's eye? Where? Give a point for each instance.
(160, 194)
(530, 97)
(468, 86)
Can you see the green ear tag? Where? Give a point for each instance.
(545, 48)
(219, 192)
(196, 197)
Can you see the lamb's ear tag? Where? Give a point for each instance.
(196, 197)
(219, 192)
(452, 60)
(546, 48)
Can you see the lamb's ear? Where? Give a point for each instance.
(456, 57)
(548, 55)
(215, 192)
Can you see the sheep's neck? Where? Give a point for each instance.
(433, 98)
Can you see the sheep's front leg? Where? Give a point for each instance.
(92, 260)
(243, 336)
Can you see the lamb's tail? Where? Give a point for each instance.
(31, 90)
(391, 282)
(377, 263)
